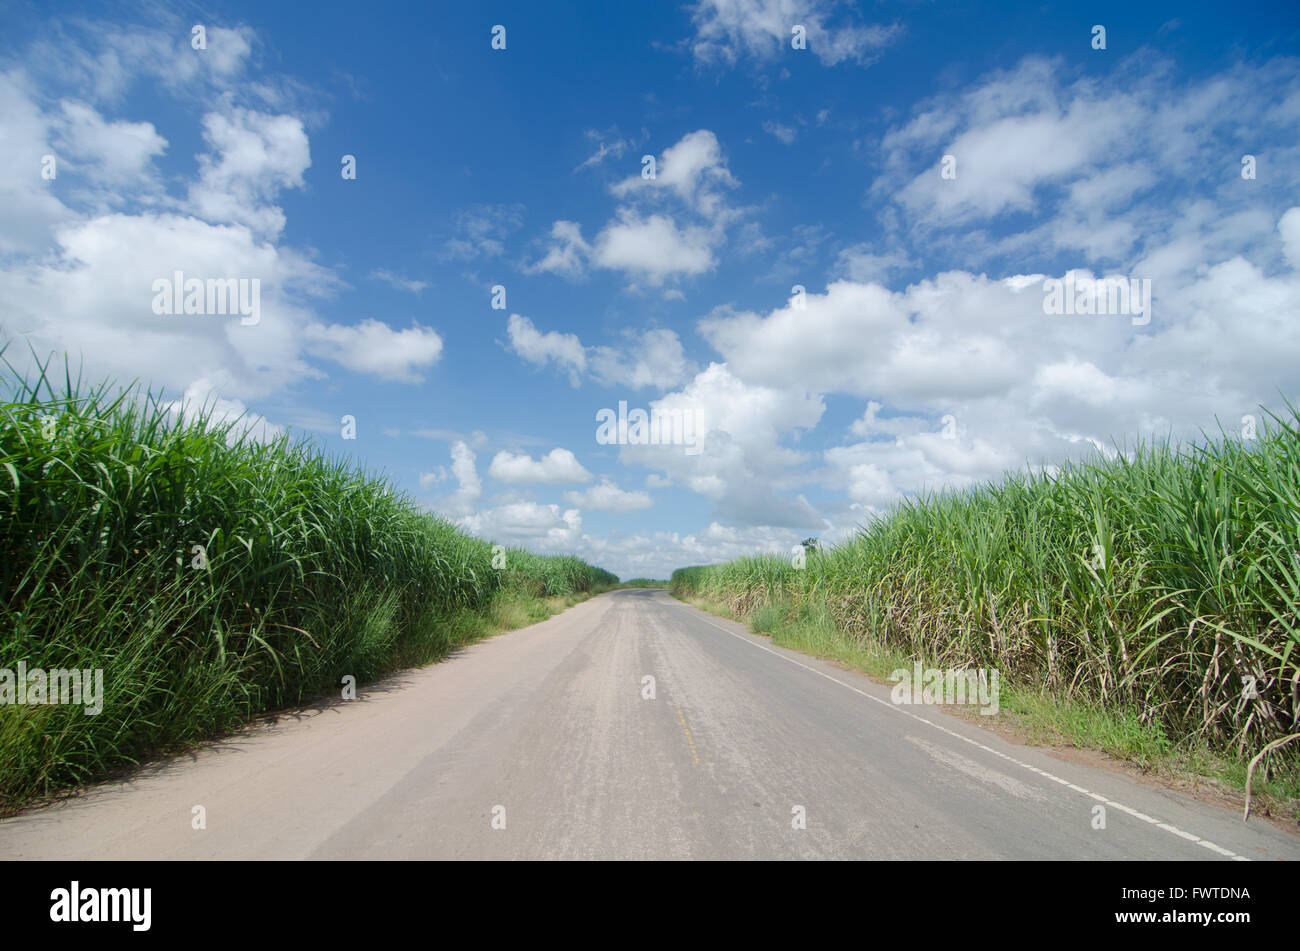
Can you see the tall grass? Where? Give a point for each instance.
(309, 570)
(1164, 582)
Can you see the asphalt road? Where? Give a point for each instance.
(541, 744)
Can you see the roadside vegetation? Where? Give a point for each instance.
(213, 577)
(1143, 603)
(644, 583)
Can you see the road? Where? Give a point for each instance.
(540, 743)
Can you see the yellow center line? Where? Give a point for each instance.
(690, 741)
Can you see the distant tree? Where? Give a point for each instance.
(811, 545)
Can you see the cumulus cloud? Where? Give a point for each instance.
(373, 347)
(540, 528)
(647, 241)
(556, 467)
(202, 402)
(608, 497)
(1022, 386)
(965, 374)
(428, 480)
(92, 295)
(82, 258)
(253, 157)
(117, 154)
(655, 554)
(693, 169)
(551, 347)
(863, 264)
(469, 488)
(567, 254)
(1085, 160)
(654, 249)
(743, 465)
(652, 358)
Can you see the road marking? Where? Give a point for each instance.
(1167, 827)
(978, 770)
(690, 741)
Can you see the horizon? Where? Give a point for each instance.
(843, 265)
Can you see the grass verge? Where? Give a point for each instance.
(194, 576)
(1145, 602)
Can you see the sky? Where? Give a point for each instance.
(823, 234)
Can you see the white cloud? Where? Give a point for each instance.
(116, 153)
(693, 169)
(375, 348)
(742, 465)
(80, 279)
(1288, 228)
(201, 401)
(227, 49)
(105, 61)
(655, 358)
(464, 501)
(655, 554)
(608, 497)
(877, 473)
(654, 249)
(477, 439)
(81, 254)
(564, 350)
(429, 479)
(608, 143)
(785, 134)
(540, 528)
(31, 213)
(92, 295)
(257, 155)
(567, 254)
(860, 263)
(1085, 159)
(556, 467)
(1023, 387)
(642, 240)
(397, 281)
(726, 30)
(481, 231)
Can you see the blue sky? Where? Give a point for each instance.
(919, 356)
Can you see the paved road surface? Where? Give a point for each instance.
(546, 728)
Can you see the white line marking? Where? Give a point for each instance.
(977, 770)
(988, 749)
